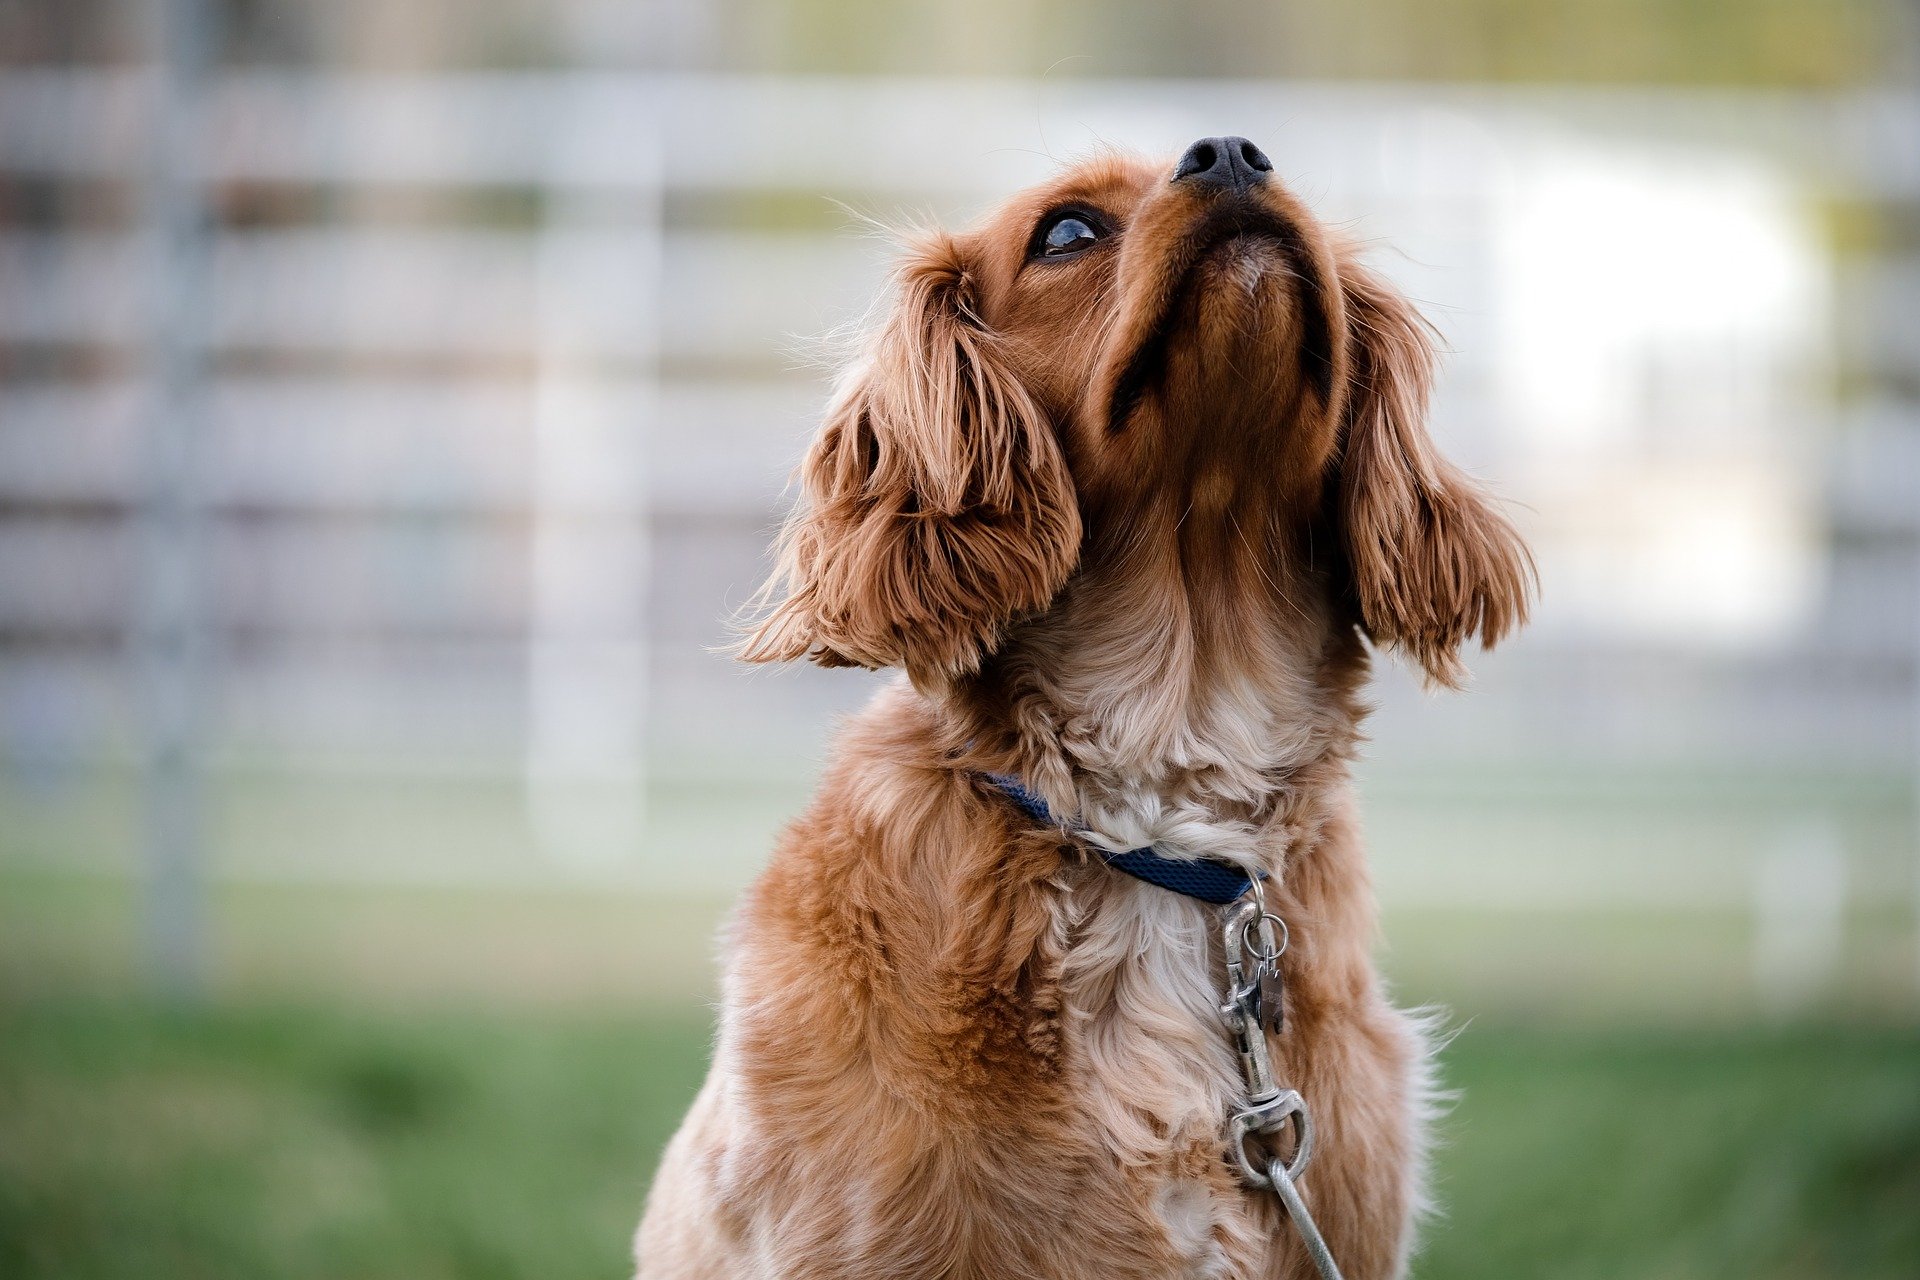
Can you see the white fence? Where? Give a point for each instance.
(496, 379)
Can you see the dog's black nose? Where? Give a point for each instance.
(1223, 162)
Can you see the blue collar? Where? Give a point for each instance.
(1206, 880)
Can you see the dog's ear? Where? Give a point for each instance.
(937, 506)
(1434, 563)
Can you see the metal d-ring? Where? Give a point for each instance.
(1278, 949)
(1264, 1120)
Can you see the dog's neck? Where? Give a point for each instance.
(1180, 692)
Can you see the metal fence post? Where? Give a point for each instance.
(171, 629)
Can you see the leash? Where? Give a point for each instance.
(1255, 1004)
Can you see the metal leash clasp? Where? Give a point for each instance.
(1254, 996)
(1252, 951)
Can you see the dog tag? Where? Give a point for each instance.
(1273, 998)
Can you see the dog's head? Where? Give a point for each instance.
(1133, 343)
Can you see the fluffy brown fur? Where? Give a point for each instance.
(1124, 518)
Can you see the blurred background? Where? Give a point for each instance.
(397, 398)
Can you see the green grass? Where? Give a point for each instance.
(301, 1143)
(289, 1141)
(1667, 1155)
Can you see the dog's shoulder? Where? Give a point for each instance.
(911, 920)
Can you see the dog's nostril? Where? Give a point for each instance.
(1200, 158)
(1255, 157)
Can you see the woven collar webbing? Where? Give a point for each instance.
(1204, 879)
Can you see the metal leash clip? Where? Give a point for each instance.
(1253, 1004)
(1255, 998)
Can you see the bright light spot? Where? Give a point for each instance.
(1661, 321)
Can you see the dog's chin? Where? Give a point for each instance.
(1222, 336)
(1225, 338)
(1242, 267)
(1236, 293)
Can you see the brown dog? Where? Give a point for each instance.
(1123, 485)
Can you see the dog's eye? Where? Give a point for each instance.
(1065, 233)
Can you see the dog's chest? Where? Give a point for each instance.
(1153, 1070)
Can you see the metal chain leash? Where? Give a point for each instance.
(1254, 1005)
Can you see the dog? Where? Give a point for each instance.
(1126, 485)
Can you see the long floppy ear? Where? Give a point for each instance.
(1434, 562)
(937, 507)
